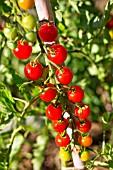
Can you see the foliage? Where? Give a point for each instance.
(82, 30)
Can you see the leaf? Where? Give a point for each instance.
(16, 77)
(58, 15)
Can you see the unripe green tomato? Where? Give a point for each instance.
(64, 155)
(6, 52)
(10, 32)
(29, 22)
(11, 45)
(84, 156)
(31, 36)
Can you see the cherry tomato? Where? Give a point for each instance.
(75, 94)
(60, 125)
(84, 126)
(82, 111)
(1, 28)
(64, 155)
(29, 22)
(49, 94)
(64, 75)
(30, 36)
(48, 33)
(23, 50)
(85, 140)
(10, 32)
(109, 24)
(26, 4)
(57, 54)
(84, 156)
(62, 141)
(33, 71)
(54, 112)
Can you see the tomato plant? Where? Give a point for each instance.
(48, 32)
(85, 140)
(57, 54)
(29, 22)
(60, 125)
(33, 71)
(83, 126)
(64, 75)
(49, 93)
(54, 112)
(65, 155)
(82, 111)
(84, 156)
(62, 141)
(23, 50)
(26, 4)
(75, 94)
(10, 32)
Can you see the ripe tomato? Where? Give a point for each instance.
(62, 141)
(57, 54)
(1, 28)
(26, 4)
(83, 126)
(48, 33)
(64, 155)
(85, 140)
(109, 24)
(82, 111)
(23, 50)
(64, 75)
(10, 32)
(49, 94)
(84, 156)
(33, 71)
(29, 22)
(75, 94)
(54, 112)
(60, 125)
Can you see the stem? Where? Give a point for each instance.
(103, 142)
(35, 60)
(21, 100)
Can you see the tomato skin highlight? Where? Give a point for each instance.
(60, 125)
(22, 51)
(83, 126)
(83, 111)
(84, 156)
(48, 33)
(49, 94)
(57, 53)
(33, 72)
(75, 94)
(26, 4)
(85, 140)
(62, 141)
(54, 112)
(64, 155)
(64, 75)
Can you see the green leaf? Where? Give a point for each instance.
(16, 77)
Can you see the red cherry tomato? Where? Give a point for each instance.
(23, 50)
(82, 111)
(84, 126)
(109, 24)
(60, 125)
(57, 54)
(48, 33)
(64, 75)
(62, 141)
(33, 71)
(75, 94)
(54, 112)
(26, 4)
(85, 140)
(49, 94)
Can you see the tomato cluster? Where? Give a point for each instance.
(54, 89)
